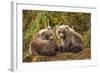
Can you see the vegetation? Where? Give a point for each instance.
(33, 21)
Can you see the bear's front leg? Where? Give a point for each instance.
(76, 49)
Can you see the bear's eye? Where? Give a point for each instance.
(59, 31)
(47, 36)
(50, 34)
(63, 32)
(42, 33)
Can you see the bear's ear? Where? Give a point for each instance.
(49, 28)
(57, 26)
(42, 33)
(67, 27)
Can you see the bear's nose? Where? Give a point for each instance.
(61, 35)
(48, 37)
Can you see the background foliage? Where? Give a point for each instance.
(33, 21)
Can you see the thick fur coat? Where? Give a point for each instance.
(71, 41)
(43, 44)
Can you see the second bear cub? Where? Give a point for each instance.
(71, 41)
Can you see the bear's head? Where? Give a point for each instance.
(62, 31)
(45, 34)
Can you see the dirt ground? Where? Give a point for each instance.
(84, 54)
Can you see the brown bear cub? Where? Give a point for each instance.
(71, 41)
(43, 43)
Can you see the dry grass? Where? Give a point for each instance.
(84, 54)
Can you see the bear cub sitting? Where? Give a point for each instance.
(43, 43)
(71, 41)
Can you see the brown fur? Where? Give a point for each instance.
(71, 40)
(40, 45)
